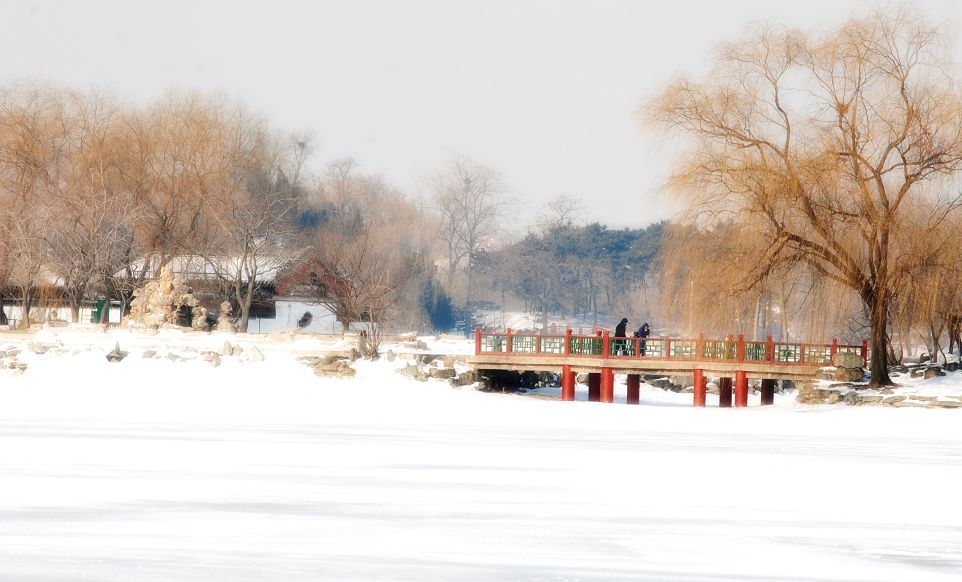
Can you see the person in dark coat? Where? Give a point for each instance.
(643, 332)
(620, 332)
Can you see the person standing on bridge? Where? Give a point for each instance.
(643, 332)
(620, 333)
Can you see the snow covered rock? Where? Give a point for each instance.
(199, 321)
(116, 354)
(816, 394)
(442, 373)
(224, 322)
(8, 361)
(159, 302)
(841, 374)
(213, 358)
(464, 378)
(338, 369)
(252, 355)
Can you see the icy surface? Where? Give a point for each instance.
(150, 469)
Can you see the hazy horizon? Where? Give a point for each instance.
(545, 92)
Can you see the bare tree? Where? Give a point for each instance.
(819, 144)
(32, 137)
(370, 255)
(561, 212)
(470, 199)
(250, 211)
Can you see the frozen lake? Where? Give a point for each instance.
(154, 470)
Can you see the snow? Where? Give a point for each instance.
(150, 469)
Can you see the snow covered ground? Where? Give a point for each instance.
(151, 469)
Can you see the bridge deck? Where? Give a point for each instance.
(593, 353)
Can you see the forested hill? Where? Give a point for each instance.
(579, 270)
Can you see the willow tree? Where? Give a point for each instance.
(820, 143)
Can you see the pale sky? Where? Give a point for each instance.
(546, 92)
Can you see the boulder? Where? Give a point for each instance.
(847, 360)
(848, 374)
(443, 373)
(464, 379)
(870, 398)
(664, 383)
(948, 403)
(40, 348)
(581, 378)
(227, 350)
(213, 358)
(338, 369)
(890, 400)
(148, 354)
(933, 372)
(411, 370)
(839, 374)
(116, 354)
(252, 355)
(390, 355)
(810, 394)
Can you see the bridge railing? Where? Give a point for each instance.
(601, 345)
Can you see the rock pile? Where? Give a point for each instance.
(159, 302)
(858, 396)
(9, 361)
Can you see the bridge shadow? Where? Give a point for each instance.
(581, 395)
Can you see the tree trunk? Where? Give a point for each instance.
(74, 310)
(877, 302)
(470, 270)
(27, 297)
(244, 303)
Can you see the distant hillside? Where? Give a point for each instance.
(578, 270)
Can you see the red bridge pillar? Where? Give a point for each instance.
(699, 388)
(567, 383)
(634, 388)
(594, 387)
(607, 385)
(768, 392)
(725, 392)
(741, 389)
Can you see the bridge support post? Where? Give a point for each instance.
(768, 392)
(634, 388)
(741, 389)
(699, 388)
(607, 385)
(567, 383)
(725, 392)
(594, 387)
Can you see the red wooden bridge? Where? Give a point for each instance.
(601, 356)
